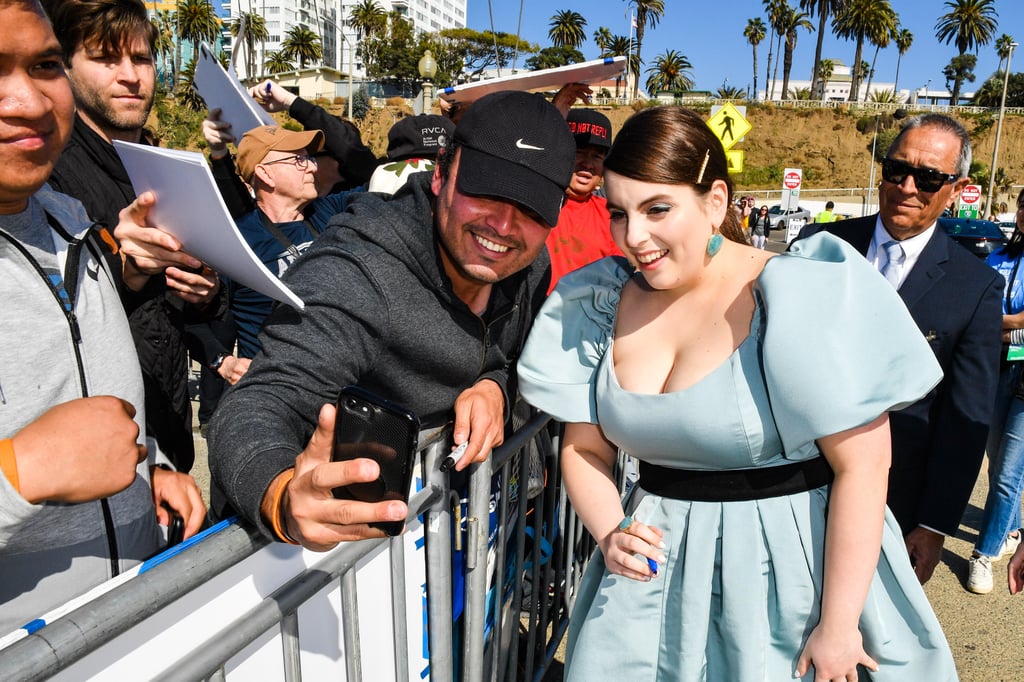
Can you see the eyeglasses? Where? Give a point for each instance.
(300, 161)
(925, 179)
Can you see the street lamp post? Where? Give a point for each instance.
(428, 69)
(351, 66)
(871, 172)
(999, 132)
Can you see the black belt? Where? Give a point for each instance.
(733, 485)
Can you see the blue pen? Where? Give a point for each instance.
(268, 87)
(653, 565)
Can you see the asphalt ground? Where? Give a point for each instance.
(985, 632)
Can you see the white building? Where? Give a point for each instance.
(330, 19)
(837, 89)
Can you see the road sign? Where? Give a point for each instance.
(970, 202)
(729, 125)
(792, 179)
(735, 158)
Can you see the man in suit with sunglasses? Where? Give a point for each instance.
(937, 443)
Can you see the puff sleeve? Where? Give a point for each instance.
(568, 340)
(839, 346)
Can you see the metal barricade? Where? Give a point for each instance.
(519, 589)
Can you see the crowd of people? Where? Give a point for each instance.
(789, 505)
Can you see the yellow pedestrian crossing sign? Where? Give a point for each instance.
(735, 159)
(729, 125)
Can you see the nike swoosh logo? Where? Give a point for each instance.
(523, 145)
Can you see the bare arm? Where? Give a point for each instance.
(587, 460)
(860, 459)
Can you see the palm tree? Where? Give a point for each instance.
(755, 33)
(567, 29)
(729, 92)
(822, 9)
(776, 11)
(880, 36)
(648, 13)
(855, 23)
(968, 24)
(903, 39)
(792, 20)
(197, 21)
(368, 19)
(671, 72)
(164, 22)
(277, 62)
(302, 44)
(1003, 49)
(255, 31)
(603, 38)
(623, 46)
(826, 67)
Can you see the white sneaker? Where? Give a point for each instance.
(1009, 546)
(979, 575)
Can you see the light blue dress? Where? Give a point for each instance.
(831, 347)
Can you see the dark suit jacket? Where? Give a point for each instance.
(938, 442)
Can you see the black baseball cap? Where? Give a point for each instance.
(419, 137)
(516, 146)
(590, 128)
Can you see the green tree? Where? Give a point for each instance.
(277, 62)
(802, 94)
(603, 38)
(729, 92)
(776, 10)
(883, 97)
(1003, 49)
(648, 14)
(755, 33)
(165, 27)
(959, 69)
(478, 51)
(303, 44)
(566, 29)
(826, 67)
(255, 31)
(397, 52)
(551, 57)
(792, 20)
(822, 9)
(368, 19)
(671, 72)
(903, 39)
(187, 94)
(880, 36)
(623, 46)
(968, 24)
(855, 23)
(197, 21)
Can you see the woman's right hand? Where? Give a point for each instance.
(620, 547)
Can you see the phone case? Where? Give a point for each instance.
(372, 427)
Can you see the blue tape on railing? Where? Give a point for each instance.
(609, 60)
(449, 90)
(182, 546)
(33, 625)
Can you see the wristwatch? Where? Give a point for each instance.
(218, 361)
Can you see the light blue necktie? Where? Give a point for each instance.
(893, 267)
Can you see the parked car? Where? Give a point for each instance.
(777, 214)
(980, 237)
(1008, 227)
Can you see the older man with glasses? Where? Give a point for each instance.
(280, 166)
(937, 443)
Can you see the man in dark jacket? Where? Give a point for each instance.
(108, 52)
(425, 298)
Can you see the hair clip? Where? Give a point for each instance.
(703, 166)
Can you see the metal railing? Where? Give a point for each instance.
(519, 586)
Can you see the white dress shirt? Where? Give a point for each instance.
(912, 249)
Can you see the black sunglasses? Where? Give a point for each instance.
(925, 179)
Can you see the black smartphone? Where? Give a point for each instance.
(375, 428)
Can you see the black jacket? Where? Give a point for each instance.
(380, 313)
(91, 171)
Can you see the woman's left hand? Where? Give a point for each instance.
(835, 655)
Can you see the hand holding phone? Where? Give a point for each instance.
(371, 427)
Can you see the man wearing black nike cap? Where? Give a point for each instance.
(424, 298)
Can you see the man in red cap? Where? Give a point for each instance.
(582, 235)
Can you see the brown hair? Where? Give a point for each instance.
(110, 25)
(671, 145)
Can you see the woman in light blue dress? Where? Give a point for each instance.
(755, 390)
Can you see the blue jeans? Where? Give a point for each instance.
(1005, 467)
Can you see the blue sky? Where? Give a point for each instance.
(711, 37)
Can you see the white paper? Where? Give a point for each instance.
(545, 79)
(189, 206)
(222, 90)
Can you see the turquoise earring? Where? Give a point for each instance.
(715, 244)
